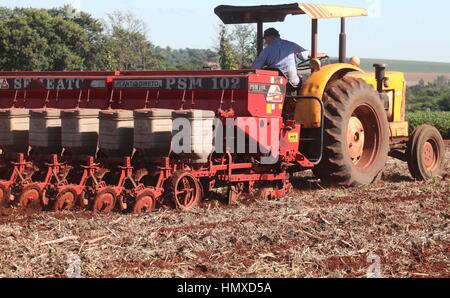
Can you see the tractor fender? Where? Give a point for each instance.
(308, 113)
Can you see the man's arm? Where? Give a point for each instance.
(261, 60)
(305, 54)
(297, 49)
(300, 52)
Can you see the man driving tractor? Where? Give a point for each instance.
(283, 55)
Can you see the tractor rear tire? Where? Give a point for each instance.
(426, 153)
(356, 134)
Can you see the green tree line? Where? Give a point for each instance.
(429, 97)
(430, 104)
(59, 39)
(62, 39)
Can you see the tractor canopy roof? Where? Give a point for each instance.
(277, 13)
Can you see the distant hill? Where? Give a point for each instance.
(415, 71)
(408, 66)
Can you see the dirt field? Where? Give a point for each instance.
(312, 233)
(413, 78)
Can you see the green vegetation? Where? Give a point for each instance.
(429, 97)
(173, 59)
(244, 45)
(227, 58)
(440, 120)
(128, 44)
(238, 48)
(430, 104)
(41, 39)
(59, 39)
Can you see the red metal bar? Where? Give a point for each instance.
(18, 171)
(253, 177)
(259, 36)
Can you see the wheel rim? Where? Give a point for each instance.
(430, 155)
(186, 192)
(104, 203)
(363, 137)
(144, 204)
(65, 201)
(355, 139)
(30, 198)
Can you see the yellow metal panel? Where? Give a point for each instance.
(325, 11)
(369, 78)
(307, 113)
(293, 137)
(397, 82)
(399, 129)
(396, 92)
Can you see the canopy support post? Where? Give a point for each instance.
(342, 43)
(260, 38)
(314, 38)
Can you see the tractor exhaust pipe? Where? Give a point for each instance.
(342, 43)
(380, 76)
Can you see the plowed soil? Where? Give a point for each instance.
(313, 232)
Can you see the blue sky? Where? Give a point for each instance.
(400, 29)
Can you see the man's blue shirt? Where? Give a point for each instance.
(281, 54)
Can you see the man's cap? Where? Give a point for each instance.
(271, 32)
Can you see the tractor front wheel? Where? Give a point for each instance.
(356, 134)
(426, 153)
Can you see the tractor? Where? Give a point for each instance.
(358, 118)
(109, 140)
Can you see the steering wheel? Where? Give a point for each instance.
(306, 64)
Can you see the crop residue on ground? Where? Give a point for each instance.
(399, 227)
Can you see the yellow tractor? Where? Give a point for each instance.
(358, 119)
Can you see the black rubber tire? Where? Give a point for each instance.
(409, 151)
(344, 99)
(415, 151)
